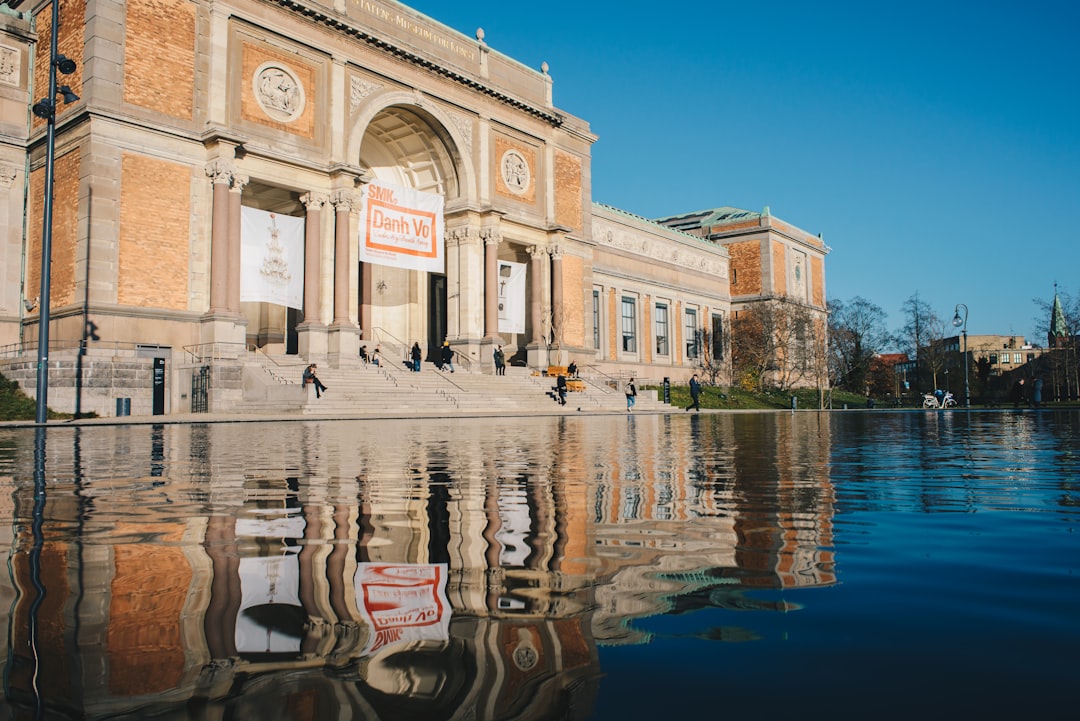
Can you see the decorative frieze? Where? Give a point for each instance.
(359, 90)
(659, 249)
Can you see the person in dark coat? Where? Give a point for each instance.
(500, 361)
(1036, 392)
(416, 356)
(310, 376)
(695, 394)
(560, 388)
(447, 356)
(1019, 393)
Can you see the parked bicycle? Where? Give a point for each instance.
(941, 399)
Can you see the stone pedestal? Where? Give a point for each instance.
(343, 345)
(312, 341)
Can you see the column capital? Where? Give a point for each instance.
(313, 201)
(491, 236)
(536, 252)
(238, 183)
(343, 200)
(556, 251)
(220, 171)
(464, 235)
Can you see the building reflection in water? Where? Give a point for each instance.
(390, 570)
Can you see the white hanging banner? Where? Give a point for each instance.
(511, 297)
(402, 603)
(401, 227)
(271, 258)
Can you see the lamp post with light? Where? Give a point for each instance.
(46, 110)
(957, 322)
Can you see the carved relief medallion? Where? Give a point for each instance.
(9, 65)
(278, 92)
(515, 173)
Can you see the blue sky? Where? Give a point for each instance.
(935, 145)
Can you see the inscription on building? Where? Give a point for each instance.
(382, 16)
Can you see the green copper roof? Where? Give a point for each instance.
(1058, 326)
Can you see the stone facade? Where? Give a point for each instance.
(188, 112)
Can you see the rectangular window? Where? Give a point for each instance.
(661, 329)
(1017, 358)
(718, 337)
(993, 359)
(596, 319)
(693, 335)
(1030, 357)
(629, 325)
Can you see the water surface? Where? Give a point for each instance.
(845, 566)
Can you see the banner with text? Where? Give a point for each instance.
(402, 603)
(401, 227)
(271, 258)
(511, 297)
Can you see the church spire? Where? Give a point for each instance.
(1059, 331)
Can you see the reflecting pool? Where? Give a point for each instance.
(860, 565)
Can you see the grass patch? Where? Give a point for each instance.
(740, 399)
(17, 406)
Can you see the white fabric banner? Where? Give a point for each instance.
(402, 603)
(511, 297)
(271, 258)
(401, 227)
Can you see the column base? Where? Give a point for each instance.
(312, 341)
(343, 345)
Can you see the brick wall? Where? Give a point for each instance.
(160, 35)
(155, 215)
(817, 278)
(745, 267)
(568, 190)
(69, 43)
(65, 224)
(573, 270)
(779, 268)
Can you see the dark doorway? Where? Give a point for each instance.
(436, 315)
(293, 318)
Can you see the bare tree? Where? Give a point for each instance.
(857, 334)
(779, 344)
(918, 339)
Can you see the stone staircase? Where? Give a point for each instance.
(393, 389)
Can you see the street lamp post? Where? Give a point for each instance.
(46, 110)
(957, 322)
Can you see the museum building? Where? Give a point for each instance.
(186, 128)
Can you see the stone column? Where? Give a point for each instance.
(557, 319)
(343, 204)
(491, 284)
(537, 257)
(311, 334)
(235, 194)
(343, 343)
(221, 176)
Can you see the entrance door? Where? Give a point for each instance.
(437, 326)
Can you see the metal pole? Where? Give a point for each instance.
(42, 400)
(967, 394)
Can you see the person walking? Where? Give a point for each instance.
(631, 396)
(447, 356)
(695, 394)
(416, 356)
(500, 361)
(310, 376)
(560, 388)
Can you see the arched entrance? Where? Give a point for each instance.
(405, 146)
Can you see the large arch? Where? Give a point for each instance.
(399, 142)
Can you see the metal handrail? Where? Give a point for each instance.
(217, 350)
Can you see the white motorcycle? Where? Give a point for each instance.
(929, 400)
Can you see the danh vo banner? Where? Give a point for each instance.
(402, 603)
(271, 258)
(401, 227)
(511, 297)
